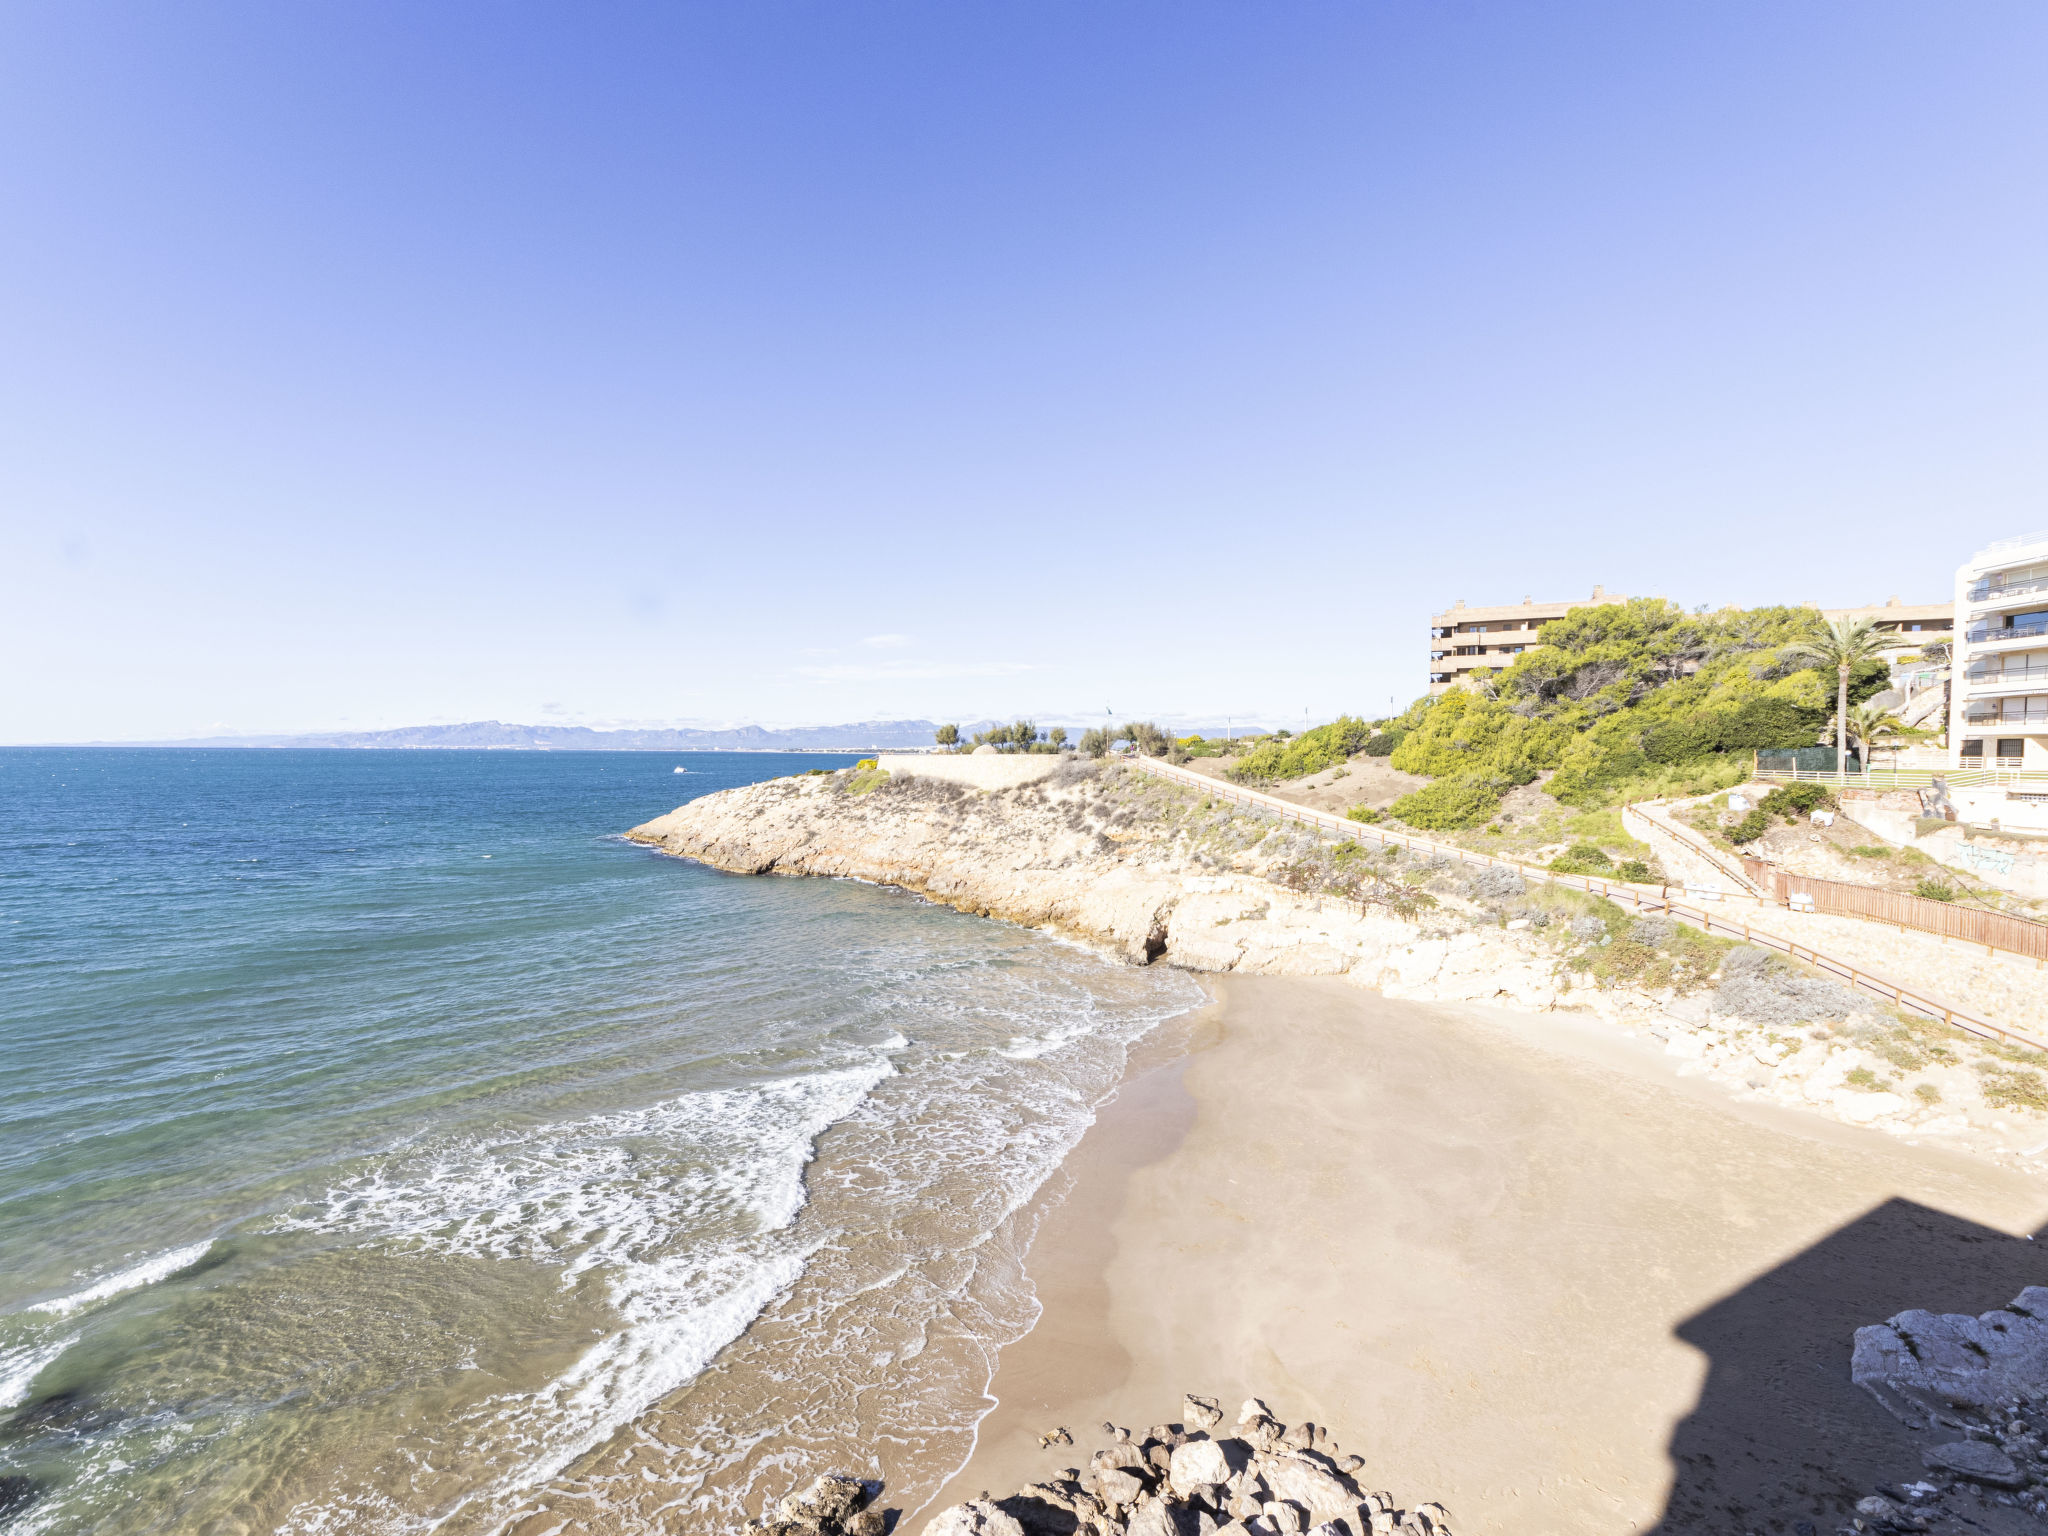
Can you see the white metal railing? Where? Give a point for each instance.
(1988, 634)
(2007, 770)
(2032, 674)
(1989, 591)
(2032, 712)
(1637, 897)
(2020, 541)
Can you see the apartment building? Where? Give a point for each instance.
(1464, 638)
(1934, 620)
(1998, 705)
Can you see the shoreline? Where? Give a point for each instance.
(1521, 1264)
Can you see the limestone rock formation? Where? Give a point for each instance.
(1189, 1479)
(836, 1504)
(1918, 1362)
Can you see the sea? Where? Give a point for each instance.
(387, 1145)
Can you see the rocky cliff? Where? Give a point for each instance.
(1160, 873)
(1154, 871)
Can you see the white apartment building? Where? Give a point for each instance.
(1998, 696)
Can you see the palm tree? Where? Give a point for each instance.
(1844, 645)
(1874, 726)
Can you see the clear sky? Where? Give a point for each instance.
(367, 364)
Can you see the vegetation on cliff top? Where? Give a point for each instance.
(1620, 701)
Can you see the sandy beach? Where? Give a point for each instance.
(1516, 1263)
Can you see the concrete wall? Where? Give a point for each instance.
(2019, 869)
(998, 771)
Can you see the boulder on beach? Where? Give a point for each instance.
(977, 1517)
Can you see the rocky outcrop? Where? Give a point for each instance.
(837, 1504)
(1193, 1478)
(1975, 1389)
(1151, 870)
(1159, 872)
(1919, 1364)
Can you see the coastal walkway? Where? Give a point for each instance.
(1747, 916)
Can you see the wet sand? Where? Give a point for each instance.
(1517, 1264)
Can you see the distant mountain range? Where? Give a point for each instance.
(861, 736)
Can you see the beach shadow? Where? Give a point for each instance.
(1781, 1438)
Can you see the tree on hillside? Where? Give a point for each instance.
(1146, 737)
(947, 735)
(1845, 645)
(1873, 727)
(1058, 737)
(1096, 742)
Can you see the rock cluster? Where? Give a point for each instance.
(834, 1505)
(1193, 1478)
(1977, 1390)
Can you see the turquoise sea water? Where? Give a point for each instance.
(386, 1145)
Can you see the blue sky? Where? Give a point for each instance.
(372, 364)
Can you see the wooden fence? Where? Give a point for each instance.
(1736, 869)
(1973, 925)
(1649, 900)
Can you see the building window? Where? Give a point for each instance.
(2011, 746)
(1973, 749)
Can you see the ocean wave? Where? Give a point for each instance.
(682, 1210)
(148, 1272)
(21, 1365)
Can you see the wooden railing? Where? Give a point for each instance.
(1973, 925)
(1640, 898)
(1734, 869)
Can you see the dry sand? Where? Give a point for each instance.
(1517, 1264)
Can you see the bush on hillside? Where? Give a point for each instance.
(1751, 827)
(1582, 859)
(1625, 697)
(1793, 800)
(1284, 757)
(1458, 801)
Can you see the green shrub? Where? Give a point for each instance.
(1927, 1093)
(1864, 1078)
(1622, 696)
(1635, 871)
(1871, 851)
(1934, 888)
(1282, 757)
(864, 765)
(1450, 804)
(1364, 813)
(1751, 827)
(1582, 859)
(1792, 801)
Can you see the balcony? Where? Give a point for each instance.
(2034, 674)
(1991, 590)
(2030, 712)
(2032, 627)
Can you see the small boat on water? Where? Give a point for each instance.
(682, 770)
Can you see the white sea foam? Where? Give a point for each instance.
(682, 1210)
(148, 1272)
(21, 1365)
